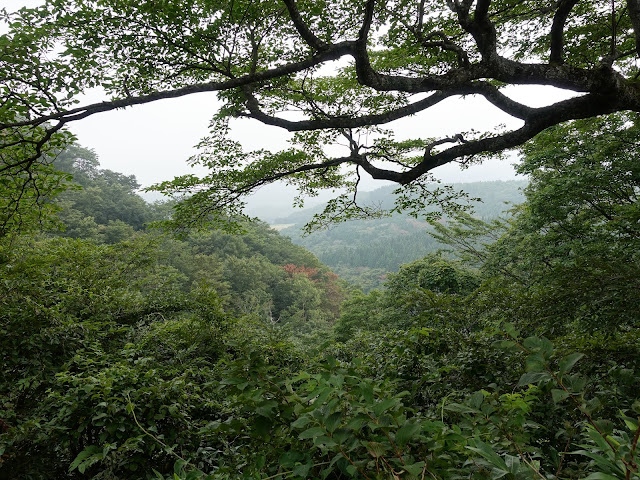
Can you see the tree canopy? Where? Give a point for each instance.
(131, 355)
(275, 61)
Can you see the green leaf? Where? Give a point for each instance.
(302, 470)
(414, 469)
(333, 421)
(631, 423)
(159, 476)
(566, 364)
(592, 405)
(574, 383)
(323, 395)
(179, 466)
(266, 408)
(86, 458)
(510, 330)
(407, 432)
(559, 395)
(262, 425)
(232, 381)
(605, 426)
(489, 455)
(383, 406)
(194, 475)
(601, 461)
(540, 345)
(260, 461)
(476, 399)
(312, 433)
(460, 408)
(376, 449)
(533, 378)
(601, 476)
(513, 464)
(535, 362)
(290, 458)
(301, 422)
(342, 434)
(357, 423)
(505, 344)
(323, 440)
(367, 393)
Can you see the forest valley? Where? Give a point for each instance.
(183, 341)
(128, 352)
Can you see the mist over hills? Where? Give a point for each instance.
(363, 251)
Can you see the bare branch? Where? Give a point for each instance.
(429, 148)
(365, 72)
(343, 121)
(250, 187)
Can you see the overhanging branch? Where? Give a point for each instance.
(331, 53)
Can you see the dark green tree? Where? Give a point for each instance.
(573, 246)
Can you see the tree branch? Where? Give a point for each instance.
(331, 53)
(541, 118)
(343, 121)
(305, 32)
(366, 74)
(633, 7)
(556, 50)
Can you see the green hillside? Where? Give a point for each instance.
(184, 340)
(128, 353)
(363, 251)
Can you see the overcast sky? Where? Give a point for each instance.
(154, 141)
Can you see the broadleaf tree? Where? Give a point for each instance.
(269, 58)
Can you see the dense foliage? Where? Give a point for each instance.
(228, 356)
(104, 315)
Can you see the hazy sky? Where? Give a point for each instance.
(154, 141)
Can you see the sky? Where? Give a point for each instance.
(154, 141)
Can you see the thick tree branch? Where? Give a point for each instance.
(504, 103)
(556, 50)
(343, 121)
(488, 91)
(542, 118)
(305, 32)
(480, 26)
(366, 74)
(633, 6)
(332, 53)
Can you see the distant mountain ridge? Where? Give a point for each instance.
(363, 251)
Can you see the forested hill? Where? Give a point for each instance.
(363, 251)
(129, 354)
(256, 272)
